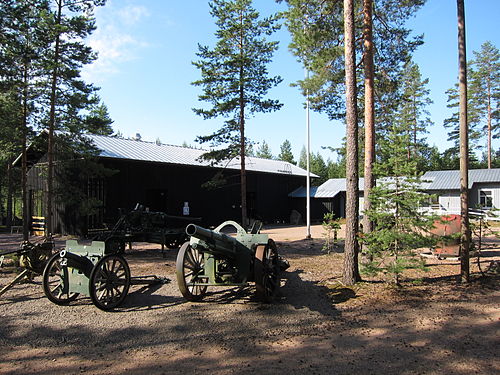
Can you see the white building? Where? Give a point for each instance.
(442, 186)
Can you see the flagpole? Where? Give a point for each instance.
(308, 162)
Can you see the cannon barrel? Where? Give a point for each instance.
(79, 262)
(218, 243)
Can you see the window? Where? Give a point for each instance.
(434, 201)
(485, 198)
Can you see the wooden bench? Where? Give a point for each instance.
(38, 225)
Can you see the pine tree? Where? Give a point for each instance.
(413, 112)
(399, 227)
(10, 147)
(317, 28)
(336, 169)
(24, 42)
(369, 115)
(350, 274)
(318, 32)
(286, 152)
(465, 235)
(69, 23)
(473, 117)
(98, 120)
(264, 151)
(319, 168)
(235, 79)
(303, 158)
(485, 84)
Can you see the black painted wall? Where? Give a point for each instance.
(165, 187)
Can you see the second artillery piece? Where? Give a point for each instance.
(96, 270)
(143, 225)
(212, 258)
(32, 257)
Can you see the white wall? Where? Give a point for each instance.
(450, 202)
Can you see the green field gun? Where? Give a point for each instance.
(94, 270)
(212, 258)
(142, 225)
(32, 257)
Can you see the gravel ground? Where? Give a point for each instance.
(431, 326)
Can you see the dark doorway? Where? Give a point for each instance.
(157, 200)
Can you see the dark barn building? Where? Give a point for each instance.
(169, 178)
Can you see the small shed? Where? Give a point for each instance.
(328, 197)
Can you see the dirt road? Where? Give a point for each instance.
(317, 326)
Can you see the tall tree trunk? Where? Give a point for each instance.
(52, 121)
(415, 127)
(464, 146)
(24, 163)
(244, 221)
(10, 192)
(369, 111)
(2, 207)
(489, 124)
(351, 271)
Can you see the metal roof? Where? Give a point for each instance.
(301, 192)
(432, 180)
(328, 189)
(450, 180)
(119, 148)
(333, 186)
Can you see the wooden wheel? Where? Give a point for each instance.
(109, 282)
(56, 281)
(266, 271)
(189, 266)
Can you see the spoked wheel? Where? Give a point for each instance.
(56, 281)
(109, 282)
(266, 271)
(189, 266)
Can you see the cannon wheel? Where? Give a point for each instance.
(189, 265)
(109, 282)
(266, 271)
(55, 278)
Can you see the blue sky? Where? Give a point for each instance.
(144, 70)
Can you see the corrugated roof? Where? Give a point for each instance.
(432, 180)
(301, 192)
(119, 148)
(333, 186)
(328, 189)
(450, 180)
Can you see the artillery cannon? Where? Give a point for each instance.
(94, 270)
(142, 225)
(32, 257)
(212, 258)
